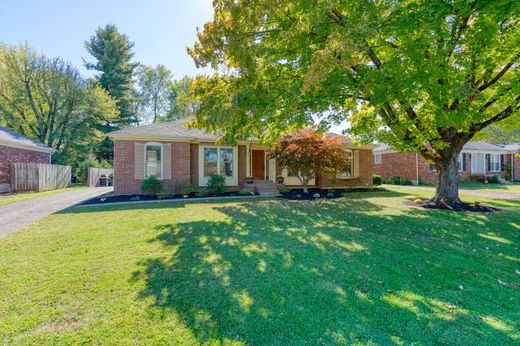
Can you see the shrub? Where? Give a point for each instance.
(180, 186)
(406, 182)
(245, 192)
(284, 189)
(493, 180)
(151, 185)
(165, 195)
(202, 192)
(507, 177)
(217, 184)
(395, 180)
(477, 179)
(376, 179)
(189, 190)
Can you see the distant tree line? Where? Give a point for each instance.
(48, 100)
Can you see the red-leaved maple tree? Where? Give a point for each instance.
(309, 153)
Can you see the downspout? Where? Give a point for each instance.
(416, 168)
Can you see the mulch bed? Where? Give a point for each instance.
(315, 193)
(150, 197)
(471, 207)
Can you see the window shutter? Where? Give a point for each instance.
(167, 161)
(488, 159)
(501, 161)
(464, 162)
(356, 164)
(139, 161)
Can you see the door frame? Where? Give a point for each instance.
(253, 162)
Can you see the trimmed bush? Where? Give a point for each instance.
(189, 190)
(151, 185)
(180, 186)
(395, 180)
(493, 179)
(202, 192)
(217, 184)
(376, 179)
(406, 182)
(245, 192)
(284, 189)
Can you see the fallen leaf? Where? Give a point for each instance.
(449, 306)
(461, 287)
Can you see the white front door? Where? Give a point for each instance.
(478, 164)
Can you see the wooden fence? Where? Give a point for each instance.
(39, 177)
(94, 175)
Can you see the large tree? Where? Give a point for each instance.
(47, 100)
(419, 75)
(154, 85)
(181, 103)
(113, 60)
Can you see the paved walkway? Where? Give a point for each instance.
(16, 216)
(489, 194)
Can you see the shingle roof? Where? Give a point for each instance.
(173, 129)
(13, 139)
(470, 146)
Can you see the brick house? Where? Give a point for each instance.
(15, 148)
(477, 159)
(175, 153)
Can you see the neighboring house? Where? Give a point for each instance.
(477, 159)
(174, 153)
(15, 148)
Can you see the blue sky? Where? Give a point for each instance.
(160, 29)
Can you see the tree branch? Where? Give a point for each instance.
(500, 74)
(505, 113)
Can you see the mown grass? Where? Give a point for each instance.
(513, 188)
(23, 196)
(369, 269)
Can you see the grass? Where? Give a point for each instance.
(19, 197)
(366, 269)
(513, 188)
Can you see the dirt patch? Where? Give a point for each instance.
(151, 197)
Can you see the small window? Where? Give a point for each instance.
(226, 162)
(494, 162)
(347, 172)
(378, 159)
(153, 160)
(460, 163)
(432, 168)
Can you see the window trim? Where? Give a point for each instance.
(154, 144)
(230, 181)
(460, 163)
(376, 161)
(498, 162)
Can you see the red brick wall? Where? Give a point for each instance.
(194, 153)
(124, 175)
(365, 174)
(9, 155)
(242, 164)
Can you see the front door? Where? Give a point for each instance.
(259, 164)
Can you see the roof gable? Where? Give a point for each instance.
(13, 139)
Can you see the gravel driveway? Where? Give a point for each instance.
(16, 216)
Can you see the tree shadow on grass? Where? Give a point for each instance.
(279, 272)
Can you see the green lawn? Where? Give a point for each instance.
(514, 188)
(19, 197)
(366, 269)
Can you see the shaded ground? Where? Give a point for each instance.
(15, 216)
(362, 269)
(497, 191)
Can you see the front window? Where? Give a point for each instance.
(494, 162)
(210, 161)
(218, 161)
(347, 172)
(153, 160)
(378, 159)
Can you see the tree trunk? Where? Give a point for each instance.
(447, 190)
